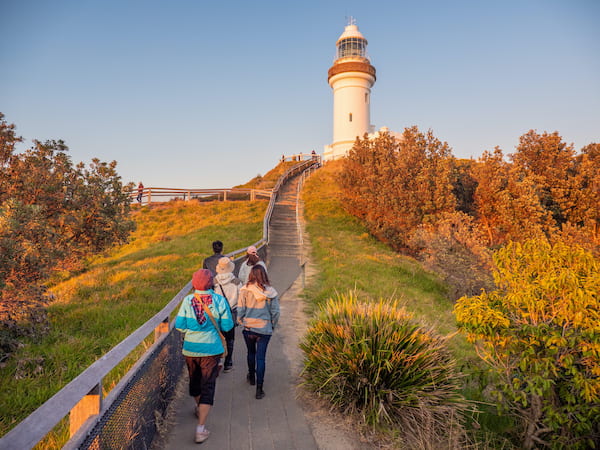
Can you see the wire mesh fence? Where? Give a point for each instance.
(132, 420)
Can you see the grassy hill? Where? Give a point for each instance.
(95, 310)
(269, 180)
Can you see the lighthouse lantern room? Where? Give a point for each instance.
(351, 77)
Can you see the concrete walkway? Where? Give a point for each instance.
(237, 420)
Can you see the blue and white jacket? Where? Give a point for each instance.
(200, 336)
(258, 310)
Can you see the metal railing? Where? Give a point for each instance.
(159, 194)
(301, 157)
(81, 399)
(305, 174)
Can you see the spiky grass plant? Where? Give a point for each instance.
(369, 358)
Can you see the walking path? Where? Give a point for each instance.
(237, 420)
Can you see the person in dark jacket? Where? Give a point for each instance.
(211, 262)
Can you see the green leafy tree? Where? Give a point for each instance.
(52, 215)
(540, 332)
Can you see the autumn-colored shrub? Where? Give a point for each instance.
(454, 247)
(371, 359)
(395, 185)
(540, 331)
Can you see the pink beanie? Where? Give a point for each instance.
(202, 280)
(251, 250)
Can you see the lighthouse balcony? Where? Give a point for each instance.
(351, 66)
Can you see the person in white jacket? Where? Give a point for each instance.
(228, 285)
(251, 260)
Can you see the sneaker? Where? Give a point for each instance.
(251, 379)
(201, 436)
(228, 369)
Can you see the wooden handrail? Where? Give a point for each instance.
(152, 192)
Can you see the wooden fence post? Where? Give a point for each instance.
(162, 328)
(88, 406)
(224, 196)
(252, 195)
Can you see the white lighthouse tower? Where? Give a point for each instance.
(351, 78)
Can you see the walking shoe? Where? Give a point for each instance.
(228, 368)
(201, 436)
(251, 379)
(259, 391)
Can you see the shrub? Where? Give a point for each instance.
(394, 185)
(540, 332)
(454, 248)
(370, 359)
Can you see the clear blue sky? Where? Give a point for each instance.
(209, 94)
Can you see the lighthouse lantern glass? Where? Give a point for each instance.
(352, 47)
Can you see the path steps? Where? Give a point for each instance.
(237, 420)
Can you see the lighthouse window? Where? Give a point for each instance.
(366, 98)
(350, 117)
(352, 47)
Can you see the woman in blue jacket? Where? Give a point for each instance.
(202, 344)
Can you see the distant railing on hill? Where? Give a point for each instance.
(301, 157)
(130, 414)
(159, 194)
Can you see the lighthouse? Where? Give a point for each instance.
(351, 77)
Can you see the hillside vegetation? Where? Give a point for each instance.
(509, 242)
(94, 311)
(269, 180)
(351, 262)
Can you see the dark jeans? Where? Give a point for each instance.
(230, 338)
(257, 352)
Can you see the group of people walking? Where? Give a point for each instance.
(208, 318)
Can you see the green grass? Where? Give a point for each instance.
(118, 293)
(348, 258)
(269, 180)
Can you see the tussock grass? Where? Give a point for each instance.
(371, 359)
(95, 310)
(348, 258)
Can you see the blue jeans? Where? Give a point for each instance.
(257, 352)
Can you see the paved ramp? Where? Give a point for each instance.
(238, 420)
